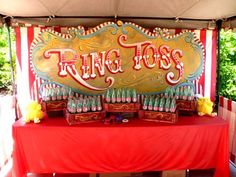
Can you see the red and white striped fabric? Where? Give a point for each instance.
(227, 110)
(28, 83)
(206, 85)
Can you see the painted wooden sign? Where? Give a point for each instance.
(117, 56)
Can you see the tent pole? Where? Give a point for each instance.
(219, 27)
(8, 24)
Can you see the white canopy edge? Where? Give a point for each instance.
(190, 14)
(146, 23)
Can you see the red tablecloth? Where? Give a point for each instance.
(54, 146)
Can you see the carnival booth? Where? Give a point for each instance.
(117, 95)
(113, 82)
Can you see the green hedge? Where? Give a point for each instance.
(5, 69)
(227, 85)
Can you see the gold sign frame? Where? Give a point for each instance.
(122, 55)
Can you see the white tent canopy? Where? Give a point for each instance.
(162, 13)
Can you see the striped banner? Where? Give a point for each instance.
(227, 110)
(28, 83)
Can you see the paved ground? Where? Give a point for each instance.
(7, 118)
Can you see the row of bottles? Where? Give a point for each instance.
(57, 93)
(158, 103)
(123, 95)
(182, 92)
(84, 104)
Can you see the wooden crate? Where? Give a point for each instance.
(174, 173)
(54, 108)
(84, 117)
(121, 107)
(156, 116)
(186, 106)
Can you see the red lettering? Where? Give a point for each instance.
(98, 63)
(85, 66)
(146, 57)
(117, 62)
(138, 50)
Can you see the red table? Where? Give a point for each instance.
(55, 147)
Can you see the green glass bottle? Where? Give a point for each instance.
(123, 95)
(93, 104)
(84, 106)
(113, 95)
(118, 95)
(98, 103)
(64, 93)
(73, 106)
(162, 104)
(134, 96)
(150, 104)
(59, 93)
(185, 95)
(79, 106)
(128, 96)
(145, 102)
(177, 93)
(108, 96)
(156, 104)
(173, 105)
(167, 105)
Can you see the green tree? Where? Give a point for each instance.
(5, 68)
(228, 64)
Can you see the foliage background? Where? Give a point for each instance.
(227, 85)
(5, 69)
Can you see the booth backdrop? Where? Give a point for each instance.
(28, 83)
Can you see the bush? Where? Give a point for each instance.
(227, 87)
(5, 68)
